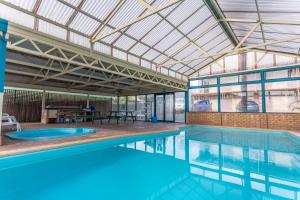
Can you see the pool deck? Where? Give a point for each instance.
(106, 131)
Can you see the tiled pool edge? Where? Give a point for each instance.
(95, 138)
(78, 140)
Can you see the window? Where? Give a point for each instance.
(114, 103)
(241, 98)
(131, 103)
(231, 63)
(203, 99)
(287, 73)
(150, 100)
(179, 107)
(284, 60)
(140, 104)
(217, 68)
(204, 82)
(265, 60)
(122, 103)
(240, 78)
(283, 96)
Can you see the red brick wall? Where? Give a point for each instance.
(248, 120)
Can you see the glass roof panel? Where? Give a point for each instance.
(194, 21)
(160, 58)
(99, 9)
(216, 41)
(123, 16)
(203, 63)
(166, 42)
(151, 54)
(183, 69)
(241, 15)
(243, 33)
(139, 29)
(188, 72)
(84, 24)
(80, 40)
(278, 36)
(168, 10)
(237, 5)
(212, 34)
(176, 66)
(279, 6)
(139, 49)
(55, 11)
(156, 34)
(73, 2)
(16, 16)
(186, 52)
(51, 29)
(183, 11)
(282, 28)
(243, 26)
(225, 45)
(179, 44)
(202, 27)
(251, 40)
(102, 48)
(112, 38)
(280, 16)
(283, 49)
(28, 4)
(193, 55)
(124, 42)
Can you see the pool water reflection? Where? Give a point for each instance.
(231, 163)
(196, 163)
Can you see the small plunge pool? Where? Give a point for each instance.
(49, 133)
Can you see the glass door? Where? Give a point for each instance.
(169, 107)
(160, 107)
(180, 107)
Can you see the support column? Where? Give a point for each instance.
(219, 93)
(88, 101)
(187, 106)
(3, 31)
(243, 66)
(87, 107)
(44, 116)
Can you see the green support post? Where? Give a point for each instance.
(219, 93)
(263, 91)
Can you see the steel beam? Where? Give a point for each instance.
(156, 10)
(79, 58)
(230, 52)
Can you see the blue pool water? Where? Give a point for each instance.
(195, 163)
(49, 133)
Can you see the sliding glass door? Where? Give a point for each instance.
(180, 107)
(165, 107)
(169, 107)
(160, 107)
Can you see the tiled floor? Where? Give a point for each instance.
(106, 131)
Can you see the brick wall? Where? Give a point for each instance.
(249, 120)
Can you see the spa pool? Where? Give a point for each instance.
(49, 133)
(194, 163)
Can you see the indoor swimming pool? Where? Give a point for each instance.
(193, 163)
(49, 133)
